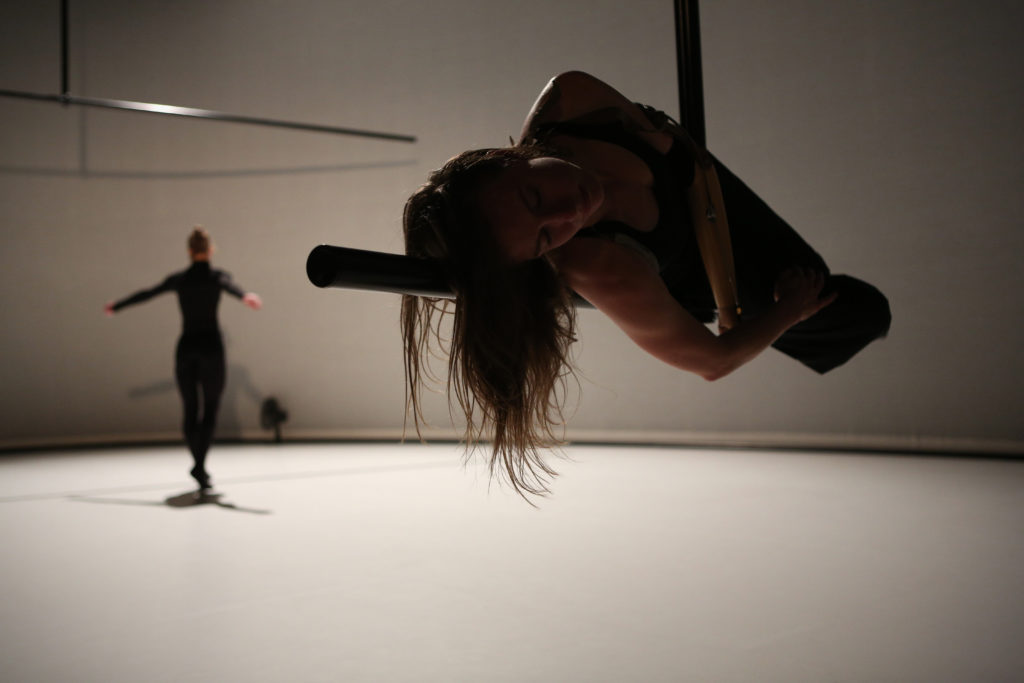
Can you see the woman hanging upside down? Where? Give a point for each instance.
(614, 201)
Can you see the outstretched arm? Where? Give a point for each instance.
(624, 287)
(250, 299)
(142, 295)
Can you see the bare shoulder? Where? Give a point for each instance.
(580, 88)
(572, 95)
(599, 269)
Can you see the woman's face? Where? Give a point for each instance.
(538, 205)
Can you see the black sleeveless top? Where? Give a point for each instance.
(672, 241)
(672, 244)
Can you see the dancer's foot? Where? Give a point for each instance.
(202, 478)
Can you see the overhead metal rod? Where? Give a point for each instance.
(66, 98)
(191, 112)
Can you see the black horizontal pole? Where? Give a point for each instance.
(329, 266)
(347, 268)
(191, 112)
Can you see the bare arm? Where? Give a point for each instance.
(142, 295)
(624, 287)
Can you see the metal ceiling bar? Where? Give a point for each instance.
(66, 98)
(192, 112)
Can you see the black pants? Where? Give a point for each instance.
(764, 246)
(199, 370)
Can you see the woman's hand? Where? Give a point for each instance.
(799, 290)
(253, 301)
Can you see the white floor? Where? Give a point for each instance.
(388, 563)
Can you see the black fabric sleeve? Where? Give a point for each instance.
(228, 285)
(167, 285)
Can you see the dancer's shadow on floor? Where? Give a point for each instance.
(188, 499)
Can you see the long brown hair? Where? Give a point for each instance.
(511, 324)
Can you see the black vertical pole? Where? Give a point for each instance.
(64, 48)
(688, 65)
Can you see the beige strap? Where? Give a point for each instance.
(707, 210)
(711, 226)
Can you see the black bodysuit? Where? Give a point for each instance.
(199, 366)
(763, 246)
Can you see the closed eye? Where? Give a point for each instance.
(531, 199)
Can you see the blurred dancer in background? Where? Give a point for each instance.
(199, 364)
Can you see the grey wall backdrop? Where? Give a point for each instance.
(886, 133)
